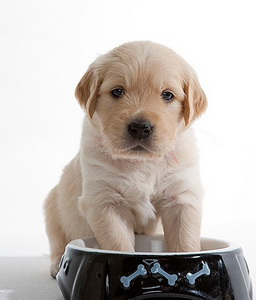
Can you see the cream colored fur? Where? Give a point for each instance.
(112, 191)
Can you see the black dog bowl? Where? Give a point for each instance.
(218, 272)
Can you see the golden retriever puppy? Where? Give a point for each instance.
(138, 162)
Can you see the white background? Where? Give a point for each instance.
(46, 47)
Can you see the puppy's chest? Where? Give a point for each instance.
(146, 179)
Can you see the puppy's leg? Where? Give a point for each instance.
(110, 219)
(181, 218)
(54, 231)
(154, 226)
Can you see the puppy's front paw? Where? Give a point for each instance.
(127, 249)
(184, 247)
(122, 247)
(117, 245)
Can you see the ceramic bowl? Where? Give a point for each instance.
(218, 272)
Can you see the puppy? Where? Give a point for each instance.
(138, 162)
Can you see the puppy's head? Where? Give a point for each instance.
(140, 96)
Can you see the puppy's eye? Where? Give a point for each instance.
(117, 93)
(167, 96)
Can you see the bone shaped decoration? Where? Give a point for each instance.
(204, 271)
(127, 280)
(170, 277)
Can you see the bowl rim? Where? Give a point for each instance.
(80, 245)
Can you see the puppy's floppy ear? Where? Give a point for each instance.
(87, 91)
(195, 102)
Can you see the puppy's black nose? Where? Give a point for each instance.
(140, 129)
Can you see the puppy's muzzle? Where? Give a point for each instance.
(140, 130)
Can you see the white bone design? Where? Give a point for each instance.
(126, 280)
(205, 271)
(171, 277)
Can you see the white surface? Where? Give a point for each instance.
(27, 278)
(46, 47)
